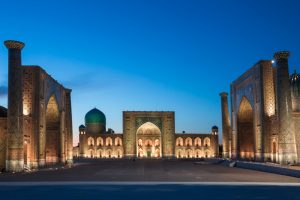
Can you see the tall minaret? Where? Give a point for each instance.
(82, 141)
(14, 157)
(69, 133)
(225, 124)
(286, 136)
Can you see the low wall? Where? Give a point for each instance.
(282, 170)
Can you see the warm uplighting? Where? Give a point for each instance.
(25, 110)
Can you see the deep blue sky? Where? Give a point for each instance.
(149, 55)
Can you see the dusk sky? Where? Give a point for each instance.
(148, 55)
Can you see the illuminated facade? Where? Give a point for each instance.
(36, 129)
(145, 135)
(265, 110)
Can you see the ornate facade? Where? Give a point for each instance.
(36, 129)
(145, 135)
(265, 110)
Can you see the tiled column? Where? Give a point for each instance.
(286, 137)
(225, 124)
(14, 157)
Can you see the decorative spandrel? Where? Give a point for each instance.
(155, 120)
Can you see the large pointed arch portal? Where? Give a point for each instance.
(246, 136)
(148, 141)
(52, 131)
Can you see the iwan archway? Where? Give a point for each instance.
(245, 130)
(52, 132)
(148, 141)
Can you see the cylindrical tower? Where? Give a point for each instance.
(214, 130)
(286, 136)
(82, 140)
(14, 157)
(69, 128)
(225, 124)
(215, 140)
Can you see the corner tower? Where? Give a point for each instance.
(225, 125)
(14, 158)
(286, 136)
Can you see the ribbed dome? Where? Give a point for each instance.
(3, 112)
(95, 116)
(295, 84)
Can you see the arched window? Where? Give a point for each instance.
(108, 141)
(188, 142)
(157, 153)
(108, 153)
(118, 141)
(179, 141)
(140, 142)
(207, 154)
(91, 141)
(179, 153)
(156, 143)
(207, 142)
(99, 141)
(99, 153)
(198, 153)
(141, 153)
(119, 153)
(189, 153)
(91, 153)
(198, 142)
(148, 143)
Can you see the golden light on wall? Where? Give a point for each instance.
(25, 109)
(268, 90)
(270, 109)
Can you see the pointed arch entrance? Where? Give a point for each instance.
(148, 141)
(274, 151)
(52, 131)
(245, 127)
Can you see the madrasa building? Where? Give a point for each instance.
(146, 134)
(36, 128)
(265, 113)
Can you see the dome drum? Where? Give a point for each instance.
(95, 128)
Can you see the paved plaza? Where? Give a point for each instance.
(148, 171)
(147, 179)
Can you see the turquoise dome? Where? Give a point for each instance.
(95, 116)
